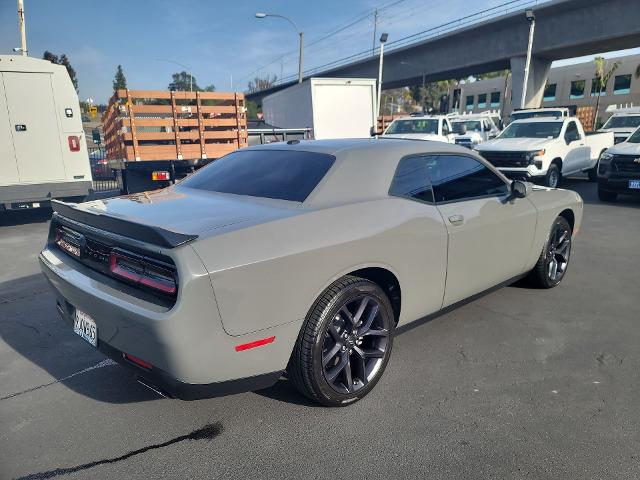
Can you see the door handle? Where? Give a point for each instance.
(456, 219)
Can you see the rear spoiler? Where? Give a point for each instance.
(138, 231)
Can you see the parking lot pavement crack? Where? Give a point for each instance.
(7, 300)
(208, 432)
(105, 363)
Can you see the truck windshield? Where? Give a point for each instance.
(419, 125)
(635, 138)
(472, 126)
(545, 113)
(623, 121)
(533, 130)
(280, 174)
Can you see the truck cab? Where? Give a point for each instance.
(43, 152)
(423, 127)
(622, 123)
(471, 130)
(545, 149)
(619, 169)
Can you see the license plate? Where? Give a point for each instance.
(635, 184)
(86, 327)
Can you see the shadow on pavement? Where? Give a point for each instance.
(24, 217)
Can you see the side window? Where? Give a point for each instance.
(458, 177)
(412, 179)
(445, 128)
(571, 133)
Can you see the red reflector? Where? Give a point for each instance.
(257, 343)
(138, 361)
(74, 143)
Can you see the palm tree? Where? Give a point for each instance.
(603, 76)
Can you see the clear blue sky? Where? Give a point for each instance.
(216, 38)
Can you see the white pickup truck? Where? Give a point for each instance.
(436, 128)
(470, 130)
(545, 149)
(622, 123)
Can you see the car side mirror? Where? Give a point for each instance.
(463, 129)
(519, 189)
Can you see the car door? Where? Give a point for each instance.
(490, 235)
(422, 246)
(447, 131)
(577, 157)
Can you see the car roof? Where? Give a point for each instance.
(364, 167)
(543, 119)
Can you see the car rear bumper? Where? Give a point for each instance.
(189, 354)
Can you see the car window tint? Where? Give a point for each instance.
(412, 180)
(572, 132)
(280, 174)
(458, 177)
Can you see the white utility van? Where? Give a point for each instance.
(43, 153)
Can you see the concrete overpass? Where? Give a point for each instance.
(564, 29)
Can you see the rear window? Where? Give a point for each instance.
(280, 174)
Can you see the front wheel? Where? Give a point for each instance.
(552, 178)
(345, 343)
(554, 259)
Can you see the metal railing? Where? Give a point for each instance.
(103, 176)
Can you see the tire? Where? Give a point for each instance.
(553, 177)
(606, 196)
(593, 173)
(557, 249)
(330, 364)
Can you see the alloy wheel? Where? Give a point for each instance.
(558, 254)
(355, 344)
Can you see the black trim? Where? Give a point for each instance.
(138, 231)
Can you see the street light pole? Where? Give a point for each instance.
(383, 40)
(300, 34)
(532, 25)
(23, 34)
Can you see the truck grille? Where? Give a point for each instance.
(629, 164)
(464, 142)
(507, 159)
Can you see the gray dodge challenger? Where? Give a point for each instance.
(298, 259)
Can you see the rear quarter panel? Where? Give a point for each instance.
(271, 274)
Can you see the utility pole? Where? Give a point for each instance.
(23, 34)
(375, 31)
(532, 26)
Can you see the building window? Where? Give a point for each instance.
(469, 104)
(550, 93)
(495, 99)
(595, 88)
(577, 89)
(482, 100)
(622, 84)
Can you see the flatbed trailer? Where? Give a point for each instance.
(155, 137)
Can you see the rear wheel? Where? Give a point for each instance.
(345, 343)
(554, 259)
(606, 196)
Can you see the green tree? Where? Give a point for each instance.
(62, 60)
(183, 82)
(252, 109)
(603, 74)
(210, 88)
(119, 81)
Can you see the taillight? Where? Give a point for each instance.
(143, 273)
(74, 143)
(160, 176)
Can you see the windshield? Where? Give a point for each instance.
(533, 130)
(544, 113)
(623, 121)
(635, 138)
(472, 126)
(420, 125)
(280, 174)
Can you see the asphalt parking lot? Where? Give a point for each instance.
(518, 384)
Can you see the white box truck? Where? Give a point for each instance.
(331, 107)
(43, 153)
